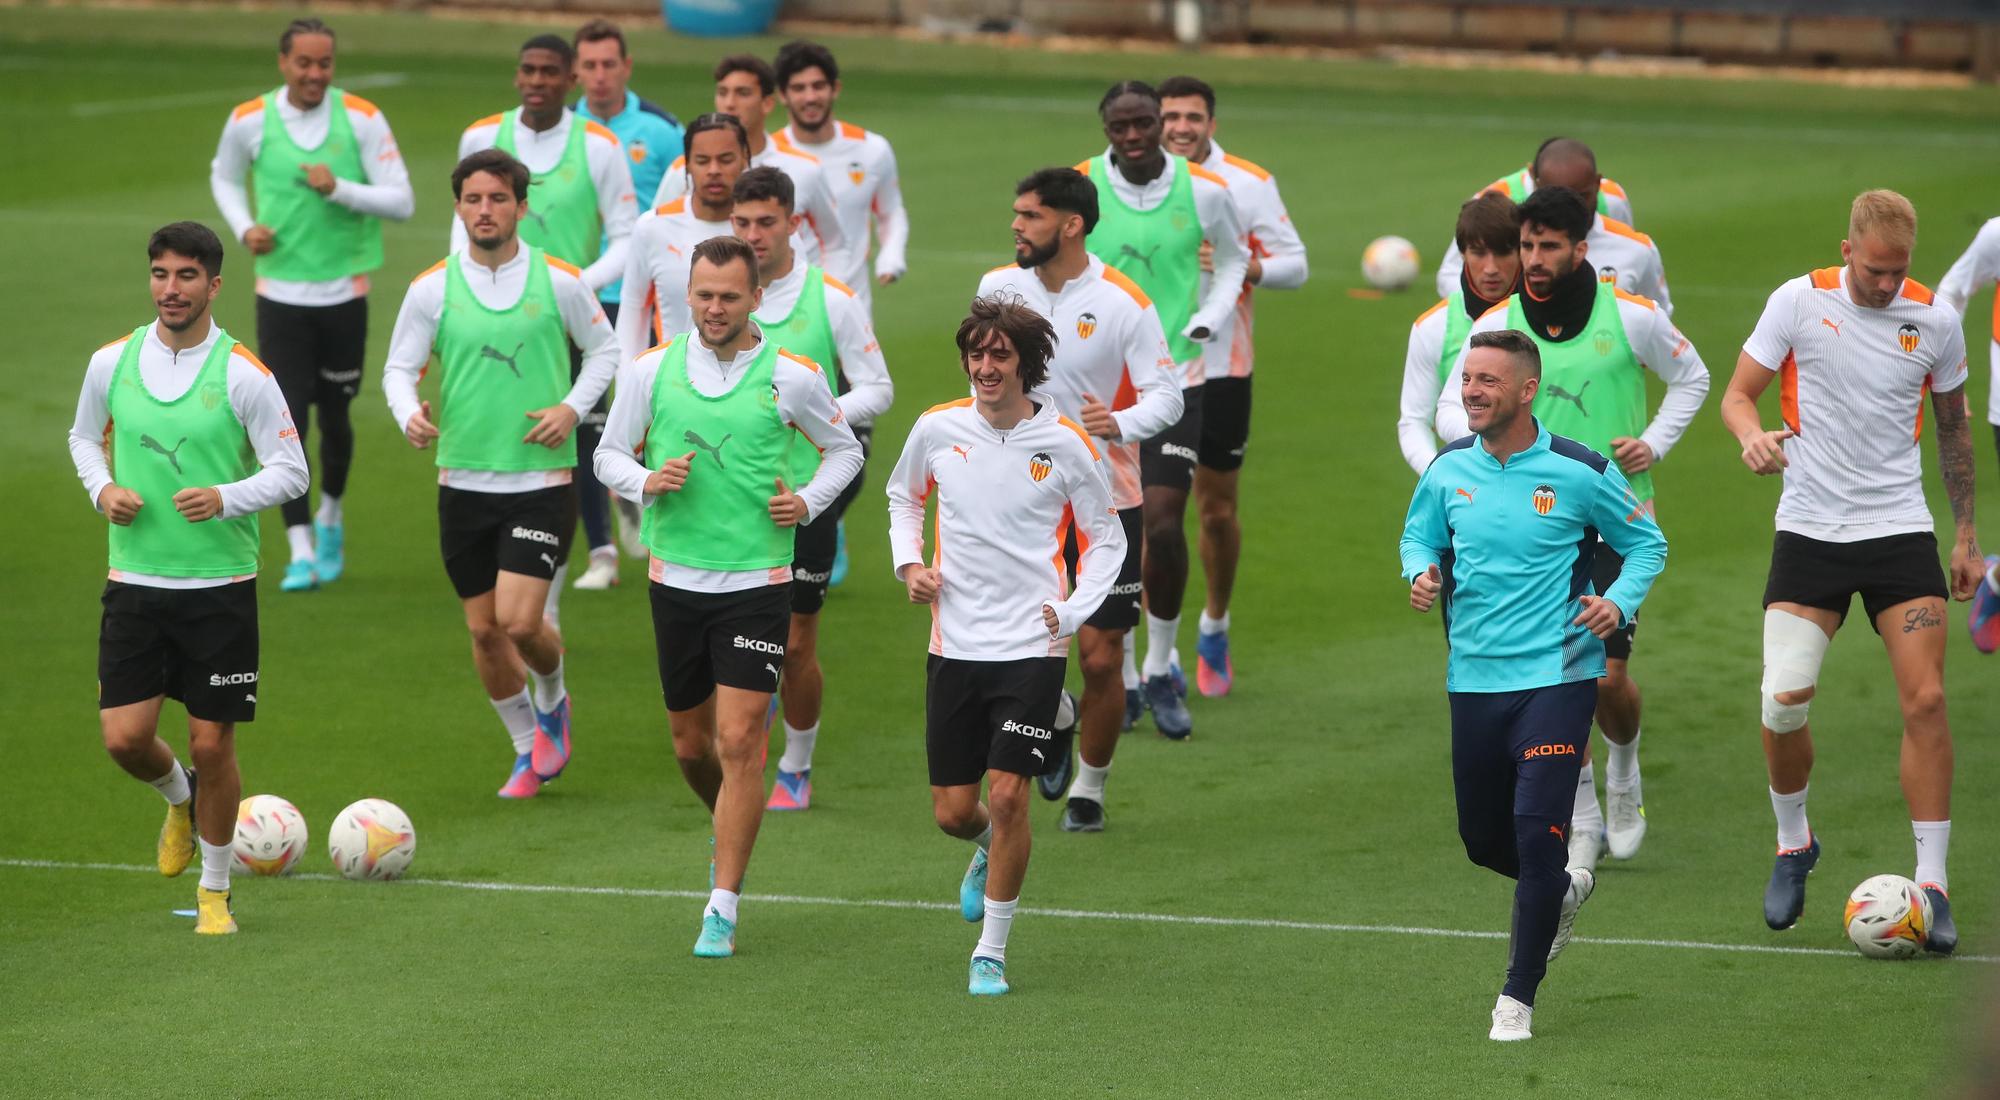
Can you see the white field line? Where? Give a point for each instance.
(1063, 914)
(212, 95)
(1331, 116)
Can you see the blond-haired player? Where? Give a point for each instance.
(1855, 349)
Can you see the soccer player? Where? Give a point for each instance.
(1489, 235)
(1621, 254)
(810, 314)
(326, 172)
(500, 317)
(717, 151)
(1110, 350)
(648, 134)
(202, 441)
(580, 211)
(747, 87)
(1855, 348)
(1277, 262)
(1596, 342)
(1979, 266)
(859, 167)
(1501, 530)
(1011, 476)
(1155, 211)
(716, 415)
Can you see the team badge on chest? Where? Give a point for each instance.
(1545, 499)
(1040, 465)
(1085, 325)
(1907, 336)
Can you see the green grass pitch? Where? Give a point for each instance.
(1317, 798)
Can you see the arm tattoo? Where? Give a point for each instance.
(1955, 459)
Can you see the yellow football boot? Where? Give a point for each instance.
(211, 913)
(177, 835)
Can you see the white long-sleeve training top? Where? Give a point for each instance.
(254, 397)
(1005, 502)
(542, 150)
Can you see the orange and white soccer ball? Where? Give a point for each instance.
(270, 836)
(1888, 917)
(1389, 263)
(372, 839)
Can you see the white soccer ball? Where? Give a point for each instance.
(1888, 917)
(1389, 263)
(372, 839)
(270, 836)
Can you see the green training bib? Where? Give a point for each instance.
(806, 332)
(159, 448)
(720, 519)
(1457, 326)
(562, 216)
(1519, 186)
(1593, 386)
(499, 365)
(1160, 249)
(314, 239)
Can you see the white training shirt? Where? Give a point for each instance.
(869, 391)
(411, 342)
(1620, 253)
(1618, 207)
(1220, 226)
(859, 168)
(1661, 349)
(1271, 238)
(166, 374)
(1005, 503)
(657, 258)
(542, 150)
(1417, 410)
(1979, 266)
(1109, 344)
(387, 193)
(1852, 383)
(819, 238)
(804, 400)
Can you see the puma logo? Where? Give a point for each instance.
(1126, 251)
(1466, 493)
(962, 452)
(550, 558)
(772, 669)
(1576, 398)
(714, 450)
(540, 219)
(1828, 322)
(173, 456)
(488, 351)
(1038, 755)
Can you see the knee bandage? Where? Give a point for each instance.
(1794, 648)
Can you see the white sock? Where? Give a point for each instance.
(1933, 843)
(215, 866)
(299, 536)
(552, 606)
(1065, 711)
(798, 749)
(723, 904)
(517, 713)
(1993, 579)
(1793, 832)
(1587, 816)
(1621, 764)
(173, 785)
(328, 514)
(984, 840)
(993, 934)
(1160, 644)
(1212, 626)
(1131, 663)
(1089, 782)
(549, 690)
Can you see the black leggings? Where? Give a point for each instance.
(316, 353)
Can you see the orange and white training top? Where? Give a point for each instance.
(1978, 267)
(1272, 239)
(1005, 503)
(657, 258)
(1109, 344)
(1852, 383)
(819, 239)
(1621, 254)
(861, 179)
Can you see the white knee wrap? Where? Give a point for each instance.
(1794, 648)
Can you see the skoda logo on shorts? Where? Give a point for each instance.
(1040, 465)
(1545, 499)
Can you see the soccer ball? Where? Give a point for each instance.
(1888, 917)
(1389, 263)
(372, 839)
(270, 836)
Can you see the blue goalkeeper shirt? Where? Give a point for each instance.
(651, 137)
(1515, 544)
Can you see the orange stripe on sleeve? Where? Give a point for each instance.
(1254, 169)
(1614, 226)
(958, 404)
(431, 270)
(358, 104)
(600, 130)
(801, 361)
(1427, 314)
(563, 265)
(247, 108)
(1124, 282)
(252, 359)
(1921, 398)
(489, 120)
(1788, 391)
(1635, 299)
(1080, 434)
(1199, 172)
(1826, 278)
(1917, 292)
